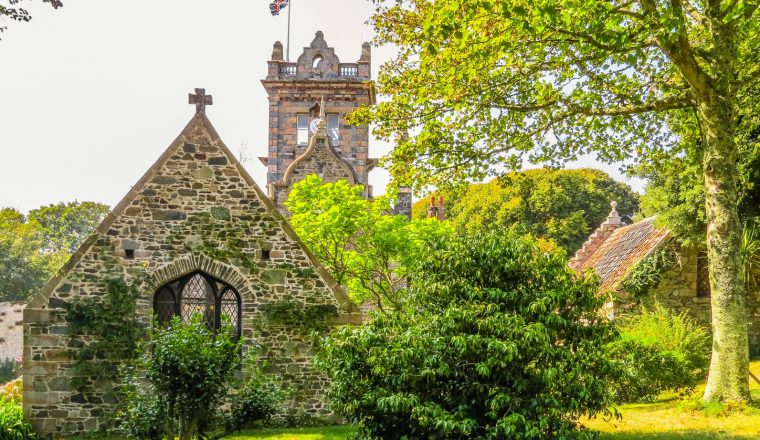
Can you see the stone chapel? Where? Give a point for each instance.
(196, 235)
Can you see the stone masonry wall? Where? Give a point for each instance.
(320, 160)
(299, 87)
(196, 209)
(678, 291)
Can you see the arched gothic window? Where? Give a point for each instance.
(199, 293)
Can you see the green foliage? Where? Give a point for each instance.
(34, 247)
(312, 317)
(104, 333)
(496, 340)
(12, 424)
(187, 371)
(563, 206)
(493, 83)
(65, 226)
(9, 369)
(647, 273)
(675, 190)
(750, 252)
(185, 385)
(361, 245)
(485, 85)
(257, 400)
(24, 267)
(659, 350)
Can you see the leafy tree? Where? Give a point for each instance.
(34, 247)
(67, 225)
(24, 268)
(563, 206)
(483, 84)
(675, 191)
(358, 241)
(505, 342)
(15, 13)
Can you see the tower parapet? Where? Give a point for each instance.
(317, 87)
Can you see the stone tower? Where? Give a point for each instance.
(308, 133)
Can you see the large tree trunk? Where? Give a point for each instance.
(728, 379)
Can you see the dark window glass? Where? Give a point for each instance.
(164, 305)
(703, 276)
(199, 294)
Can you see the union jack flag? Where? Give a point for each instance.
(276, 6)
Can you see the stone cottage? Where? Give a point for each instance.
(614, 250)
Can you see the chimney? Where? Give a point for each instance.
(600, 235)
(441, 209)
(436, 211)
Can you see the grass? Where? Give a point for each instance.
(672, 419)
(325, 433)
(663, 420)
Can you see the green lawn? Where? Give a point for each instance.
(327, 433)
(668, 420)
(665, 420)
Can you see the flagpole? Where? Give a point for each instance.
(287, 51)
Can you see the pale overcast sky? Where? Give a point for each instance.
(93, 93)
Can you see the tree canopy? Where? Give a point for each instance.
(34, 247)
(562, 206)
(675, 191)
(11, 10)
(480, 85)
(357, 240)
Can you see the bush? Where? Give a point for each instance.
(12, 424)
(184, 385)
(495, 341)
(659, 350)
(9, 369)
(256, 400)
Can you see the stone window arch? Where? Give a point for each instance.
(199, 293)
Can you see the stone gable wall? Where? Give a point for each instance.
(196, 213)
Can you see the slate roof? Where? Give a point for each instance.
(625, 247)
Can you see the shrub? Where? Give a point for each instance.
(9, 369)
(256, 400)
(187, 372)
(496, 340)
(12, 424)
(184, 385)
(659, 350)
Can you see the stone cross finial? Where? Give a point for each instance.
(201, 100)
(322, 124)
(613, 218)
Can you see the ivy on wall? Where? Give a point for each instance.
(647, 273)
(104, 333)
(311, 317)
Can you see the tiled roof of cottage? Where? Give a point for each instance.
(625, 247)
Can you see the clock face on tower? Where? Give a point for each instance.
(313, 125)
